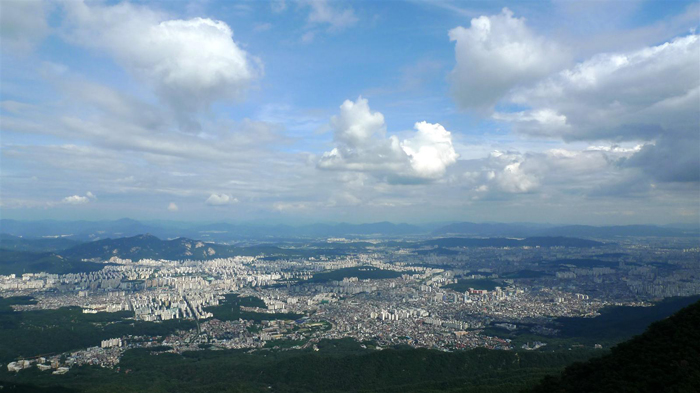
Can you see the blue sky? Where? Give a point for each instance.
(304, 111)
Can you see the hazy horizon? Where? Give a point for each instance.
(291, 223)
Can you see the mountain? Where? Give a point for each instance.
(79, 230)
(227, 232)
(665, 358)
(148, 246)
(616, 231)
(487, 229)
(557, 241)
(587, 231)
(10, 242)
(19, 262)
(216, 232)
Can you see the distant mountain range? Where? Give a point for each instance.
(19, 262)
(587, 231)
(147, 246)
(226, 232)
(150, 247)
(555, 241)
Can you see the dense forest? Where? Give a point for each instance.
(337, 366)
(45, 332)
(664, 359)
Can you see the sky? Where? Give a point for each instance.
(563, 112)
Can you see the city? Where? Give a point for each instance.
(386, 293)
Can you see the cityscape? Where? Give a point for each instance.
(383, 291)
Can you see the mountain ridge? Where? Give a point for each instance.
(226, 232)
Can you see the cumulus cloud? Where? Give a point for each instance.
(220, 200)
(430, 151)
(507, 172)
(669, 160)
(495, 54)
(616, 96)
(22, 24)
(362, 146)
(593, 171)
(173, 207)
(189, 63)
(357, 124)
(78, 199)
(650, 94)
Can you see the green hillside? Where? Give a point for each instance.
(664, 359)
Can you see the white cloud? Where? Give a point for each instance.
(22, 24)
(363, 147)
(220, 200)
(650, 94)
(540, 122)
(324, 13)
(173, 207)
(76, 200)
(495, 54)
(189, 63)
(357, 125)
(617, 96)
(593, 171)
(506, 172)
(430, 150)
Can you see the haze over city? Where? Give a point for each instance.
(333, 111)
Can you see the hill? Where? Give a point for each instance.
(19, 262)
(557, 241)
(212, 232)
(586, 231)
(17, 243)
(148, 246)
(665, 358)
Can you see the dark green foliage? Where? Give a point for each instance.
(284, 343)
(361, 272)
(664, 359)
(464, 285)
(583, 263)
(6, 302)
(230, 310)
(16, 243)
(338, 366)
(9, 387)
(19, 262)
(616, 324)
(526, 273)
(41, 332)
